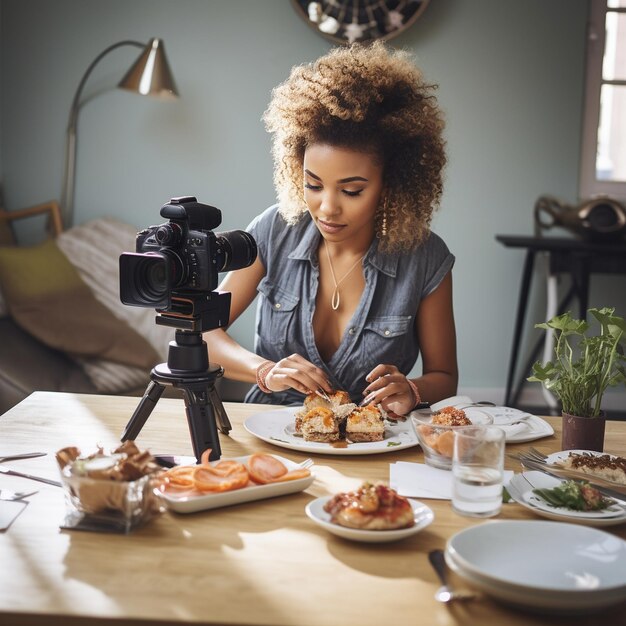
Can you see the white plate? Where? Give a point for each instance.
(537, 564)
(521, 491)
(278, 426)
(530, 427)
(203, 502)
(557, 457)
(422, 514)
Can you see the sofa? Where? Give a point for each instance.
(62, 325)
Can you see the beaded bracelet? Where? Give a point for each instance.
(261, 374)
(415, 391)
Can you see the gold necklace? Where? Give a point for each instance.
(336, 300)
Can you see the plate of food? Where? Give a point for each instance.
(518, 426)
(335, 426)
(374, 513)
(607, 467)
(565, 500)
(192, 488)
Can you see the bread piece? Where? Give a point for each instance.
(365, 424)
(320, 424)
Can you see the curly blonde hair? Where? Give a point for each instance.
(369, 98)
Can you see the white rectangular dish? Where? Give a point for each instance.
(205, 502)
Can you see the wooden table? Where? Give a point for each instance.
(257, 563)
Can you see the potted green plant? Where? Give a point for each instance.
(584, 367)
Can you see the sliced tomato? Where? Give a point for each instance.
(293, 475)
(208, 478)
(265, 468)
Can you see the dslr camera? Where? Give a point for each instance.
(176, 264)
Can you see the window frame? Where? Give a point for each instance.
(589, 185)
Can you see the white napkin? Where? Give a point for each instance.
(417, 480)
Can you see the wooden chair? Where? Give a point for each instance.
(51, 208)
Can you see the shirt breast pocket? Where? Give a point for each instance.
(385, 339)
(278, 314)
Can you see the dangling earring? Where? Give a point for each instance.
(383, 221)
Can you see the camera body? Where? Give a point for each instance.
(190, 249)
(176, 264)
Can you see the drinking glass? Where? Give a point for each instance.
(478, 471)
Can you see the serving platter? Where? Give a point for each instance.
(422, 515)
(191, 503)
(278, 428)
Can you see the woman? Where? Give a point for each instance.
(352, 283)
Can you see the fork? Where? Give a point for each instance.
(306, 463)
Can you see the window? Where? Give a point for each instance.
(603, 161)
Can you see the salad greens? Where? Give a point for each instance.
(578, 496)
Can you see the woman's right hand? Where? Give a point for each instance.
(297, 373)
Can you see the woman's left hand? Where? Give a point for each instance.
(389, 388)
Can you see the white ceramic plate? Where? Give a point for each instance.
(278, 427)
(203, 502)
(557, 457)
(422, 514)
(521, 489)
(542, 565)
(529, 428)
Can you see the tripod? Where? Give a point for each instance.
(189, 370)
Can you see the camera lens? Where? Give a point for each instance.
(235, 249)
(147, 279)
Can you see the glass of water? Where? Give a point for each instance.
(478, 471)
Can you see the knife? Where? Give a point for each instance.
(48, 481)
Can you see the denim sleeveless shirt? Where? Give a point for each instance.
(382, 329)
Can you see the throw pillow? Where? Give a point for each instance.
(46, 296)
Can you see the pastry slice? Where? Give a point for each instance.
(365, 423)
(321, 425)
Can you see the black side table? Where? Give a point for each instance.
(578, 258)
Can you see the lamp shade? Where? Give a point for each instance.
(150, 75)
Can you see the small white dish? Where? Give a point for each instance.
(542, 565)
(203, 502)
(521, 487)
(423, 516)
(277, 427)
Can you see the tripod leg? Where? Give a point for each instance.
(142, 412)
(223, 423)
(201, 420)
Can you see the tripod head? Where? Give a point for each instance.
(198, 312)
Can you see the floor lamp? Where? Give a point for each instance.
(150, 75)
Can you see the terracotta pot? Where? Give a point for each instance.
(583, 433)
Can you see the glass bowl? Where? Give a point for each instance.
(437, 441)
(107, 505)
